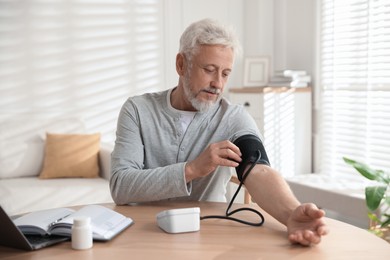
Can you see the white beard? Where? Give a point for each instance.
(201, 106)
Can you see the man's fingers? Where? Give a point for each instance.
(311, 237)
(224, 153)
(313, 211)
(231, 146)
(298, 239)
(306, 238)
(229, 163)
(227, 158)
(323, 230)
(229, 154)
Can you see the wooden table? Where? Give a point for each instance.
(217, 239)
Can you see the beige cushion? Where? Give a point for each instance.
(71, 155)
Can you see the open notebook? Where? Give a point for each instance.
(11, 236)
(46, 227)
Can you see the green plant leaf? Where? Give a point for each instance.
(373, 217)
(385, 178)
(374, 195)
(363, 169)
(387, 221)
(382, 177)
(387, 200)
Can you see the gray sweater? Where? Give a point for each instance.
(151, 150)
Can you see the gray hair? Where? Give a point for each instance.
(207, 32)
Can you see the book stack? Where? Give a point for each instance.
(290, 78)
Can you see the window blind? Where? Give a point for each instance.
(79, 58)
(355, 84)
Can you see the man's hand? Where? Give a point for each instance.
(223, 153)
(306, 225)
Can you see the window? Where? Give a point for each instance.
(79, 58)
(355, 84)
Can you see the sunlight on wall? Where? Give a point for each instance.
(279, 129)
(355, 125)
(77, 59)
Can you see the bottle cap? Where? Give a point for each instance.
(81, 221)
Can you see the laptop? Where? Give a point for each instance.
(11, 236)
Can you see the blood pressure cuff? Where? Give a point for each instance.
(250, 147)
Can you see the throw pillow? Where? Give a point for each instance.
(71, 156)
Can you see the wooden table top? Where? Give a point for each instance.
(217, 239)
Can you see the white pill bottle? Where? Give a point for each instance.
(82, 233)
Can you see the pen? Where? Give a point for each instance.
(58, 220)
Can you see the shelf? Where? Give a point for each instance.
(266, 89)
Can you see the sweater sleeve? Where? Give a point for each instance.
(129, 181)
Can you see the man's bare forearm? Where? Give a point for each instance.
(271, 192)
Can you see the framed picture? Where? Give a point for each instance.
(256, 71)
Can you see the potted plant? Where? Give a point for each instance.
(377, 198)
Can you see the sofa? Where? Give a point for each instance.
(39, 171)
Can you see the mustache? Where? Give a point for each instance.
(212, 90)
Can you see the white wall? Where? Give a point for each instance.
(280, 29)
(64, 59)
(283, 30)
(182, 13)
